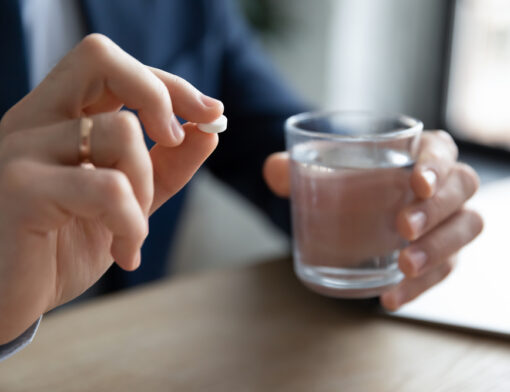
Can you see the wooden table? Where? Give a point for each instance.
(249, 329)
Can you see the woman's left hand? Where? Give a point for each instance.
(436, 224)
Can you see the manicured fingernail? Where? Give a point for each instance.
(176, 128)
(417, 222)
(417, 258)
(429, 176)
(209, 101)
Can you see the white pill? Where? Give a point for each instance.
(217, 126)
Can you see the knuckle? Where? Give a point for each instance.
(178, 83)
(468, 177)
(448, 141)
(435, 206)
(97, 45)
(161, 93)
(475, 220)
(157, 94)
(173, 79)
(445, 136)
(119, 198)
(140, 230)
(128, 128)
(182, 84)
(436, 247)
(135, 227)
(434, 155)
(115, 187)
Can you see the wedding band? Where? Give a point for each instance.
(84, 146)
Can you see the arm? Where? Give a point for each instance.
(258, 103)
(62, 225)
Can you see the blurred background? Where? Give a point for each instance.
(446, 62)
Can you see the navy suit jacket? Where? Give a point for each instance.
(207, 43)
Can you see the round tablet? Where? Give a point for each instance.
(217, 126)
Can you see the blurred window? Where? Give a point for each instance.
(478, 98)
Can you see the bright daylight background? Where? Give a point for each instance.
(361, 54)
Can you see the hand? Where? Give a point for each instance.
(62, 225)
(436, 223)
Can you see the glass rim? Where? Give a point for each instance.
(414, 126)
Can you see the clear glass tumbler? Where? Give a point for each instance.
(350, 175)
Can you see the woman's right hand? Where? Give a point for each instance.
(62, 225)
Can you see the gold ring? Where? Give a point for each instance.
(84, 146)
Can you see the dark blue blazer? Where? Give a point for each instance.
(207, 43)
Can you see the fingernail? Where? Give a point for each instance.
(176, 127)
(417, 258)
(417, 222)
(209, 101)
(430, 177)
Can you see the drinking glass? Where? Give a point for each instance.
(350, 175)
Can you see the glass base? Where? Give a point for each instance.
(348, 282)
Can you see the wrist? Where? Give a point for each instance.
(16, 318)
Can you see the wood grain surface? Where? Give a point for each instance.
(247, 329)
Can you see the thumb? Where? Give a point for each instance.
(174, 166)
(276, 173)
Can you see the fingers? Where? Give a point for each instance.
(410, 288)
(447, 239)
(97, 70)
(276, 173)
(116, 142)
(436, 157)
(188, 102)
(46, 196)
(422, 215)
(436, 221)
(97, 76)
(174, 166)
